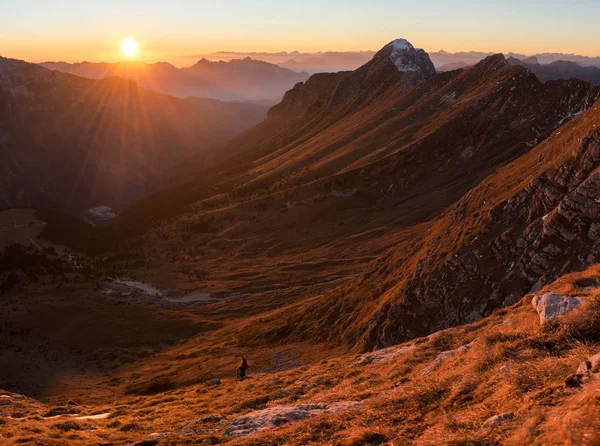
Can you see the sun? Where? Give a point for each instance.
(129, 47)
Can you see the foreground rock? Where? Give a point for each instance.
(590, 365)
(498, 420)
(551, 305)
(279, 415)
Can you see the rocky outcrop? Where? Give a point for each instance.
(407, 58)
(279, 415)
(444, 356)
(551, 305)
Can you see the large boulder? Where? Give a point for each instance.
(552, 305)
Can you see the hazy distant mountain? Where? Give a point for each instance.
(71, 143)
(160, 77)
(237, 116)
(452, 66)
(321, 62)
(247, 78)
(442, 57)
(560, 69)
(330, 62)
(236, 80)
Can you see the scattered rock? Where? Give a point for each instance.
(212, 382)
(194, 432)
(504, 368)
(158, 435)
(445, 355)
(590, 365)
(498, 420)
(208, 419)
(383, 355)
(279, 415)
(214, 418)
(552, 305)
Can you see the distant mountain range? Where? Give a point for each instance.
(331, 61)
(236, 80)
(561, 69)
(350, 60)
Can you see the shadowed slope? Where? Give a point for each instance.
(71, 143)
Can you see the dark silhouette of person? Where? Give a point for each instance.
(241, 370)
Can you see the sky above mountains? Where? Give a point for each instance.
(75, 30)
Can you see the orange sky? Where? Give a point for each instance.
(39, 30)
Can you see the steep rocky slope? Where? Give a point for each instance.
(521, 228)
(72, 144)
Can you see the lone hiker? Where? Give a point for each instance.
(241, 370)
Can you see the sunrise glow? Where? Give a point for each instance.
(129, 47)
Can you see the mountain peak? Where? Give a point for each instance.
(401, 45)
(407, 58)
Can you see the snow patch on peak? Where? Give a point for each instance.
(401, 45)
(407, 58)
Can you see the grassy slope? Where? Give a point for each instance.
(512, 365)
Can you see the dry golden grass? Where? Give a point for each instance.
(513, 366)
(150, 386)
